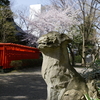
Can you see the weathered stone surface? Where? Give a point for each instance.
(63, 82)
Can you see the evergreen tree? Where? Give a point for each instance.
(4, 2)
(7, 25)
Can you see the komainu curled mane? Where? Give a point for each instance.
(63, 82)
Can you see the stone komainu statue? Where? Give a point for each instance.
(63, 82)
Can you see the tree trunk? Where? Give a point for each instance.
(4, 37)
(83, 52)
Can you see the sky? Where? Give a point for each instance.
(27, 3)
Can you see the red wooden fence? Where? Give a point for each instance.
(10, 51)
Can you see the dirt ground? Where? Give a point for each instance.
(26, 84)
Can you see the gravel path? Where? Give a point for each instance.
(23, 85)
(26, 84)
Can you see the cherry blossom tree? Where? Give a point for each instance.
(54, 19)
(50, 18)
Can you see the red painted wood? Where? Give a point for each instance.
(11, 51)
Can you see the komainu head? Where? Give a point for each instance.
(52, 39)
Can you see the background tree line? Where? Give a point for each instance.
(85, 34)
(87, 39)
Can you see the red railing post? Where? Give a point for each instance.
(4, 57)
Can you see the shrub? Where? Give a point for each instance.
(17, 64)
(97, 62)
(78, 59)
(26, 63)
(32, 62)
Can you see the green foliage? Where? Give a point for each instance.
(7, 28)
(96, 66)
(32, 62)
(26, 63)
(78, 59)
(4, 2)
(97, 62)
(17, 64)
(78, 39)
(89, 98)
